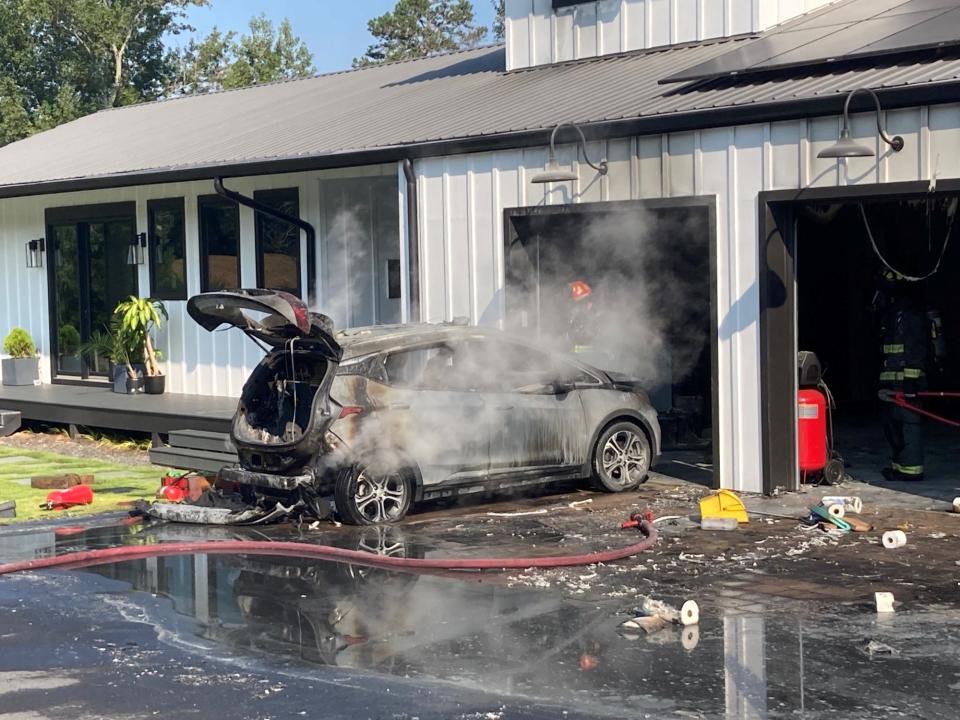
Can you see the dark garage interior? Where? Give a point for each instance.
(839, 314)
(625, 287)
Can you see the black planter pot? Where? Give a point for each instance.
(134, 385)
(154, 384)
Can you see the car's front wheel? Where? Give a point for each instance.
(621, 458)
(368, 496)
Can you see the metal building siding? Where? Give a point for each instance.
(733, 164)
(538, 35)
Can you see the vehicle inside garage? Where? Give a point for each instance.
(877, 291)
(625, 287)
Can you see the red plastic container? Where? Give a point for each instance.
(76, 495)
(811, 430)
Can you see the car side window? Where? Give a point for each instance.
(426, 368)
(505, 366)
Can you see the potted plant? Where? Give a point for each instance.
(68, 347)
(23, 365)
(139, 317)
(120, 348)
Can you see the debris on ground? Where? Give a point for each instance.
(8, 509)
(60, 482)
(875, 647)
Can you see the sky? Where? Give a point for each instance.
(335, 32)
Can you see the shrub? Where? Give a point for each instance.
(19, 344)
(69, 340)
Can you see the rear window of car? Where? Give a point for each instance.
(426, 367)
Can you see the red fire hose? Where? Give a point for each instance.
(900, 400)
(104, 556)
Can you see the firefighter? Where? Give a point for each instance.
(909, 333)
(582, 319)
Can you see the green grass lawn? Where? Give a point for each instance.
(114, 484)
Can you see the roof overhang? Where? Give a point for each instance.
(792, 109)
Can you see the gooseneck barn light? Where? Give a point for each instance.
(553, 172)
(846, 147)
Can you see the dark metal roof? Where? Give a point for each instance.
(844, 30)
(458, 102)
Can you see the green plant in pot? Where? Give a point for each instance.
(121, 348)
(23, 365)
(140, 317)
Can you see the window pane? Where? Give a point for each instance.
(168, 270)
(278, 242)
(219, 244)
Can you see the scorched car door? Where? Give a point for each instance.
(432, 420)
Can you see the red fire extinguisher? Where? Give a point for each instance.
(812, 447)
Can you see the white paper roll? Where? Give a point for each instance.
(836, 510)
(893, 539)
(884, 601)
(851, 503)
(690, 613)
(956, 505)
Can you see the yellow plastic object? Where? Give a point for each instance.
(725, 504)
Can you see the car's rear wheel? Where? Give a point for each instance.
(368, 496)
(621, 458)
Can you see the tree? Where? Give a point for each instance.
(226, 60)
(61, 59)
(416, 28)
(119, 43)
(499, 20)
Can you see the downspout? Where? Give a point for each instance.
(413, 240)
(260, 207)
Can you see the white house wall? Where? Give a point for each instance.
(195, 361)
(536, 34)
(463, 197)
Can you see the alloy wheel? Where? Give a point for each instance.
(380, 498)
(624, 459)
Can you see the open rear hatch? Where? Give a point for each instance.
(273, 317)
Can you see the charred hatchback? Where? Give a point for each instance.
(382, 417)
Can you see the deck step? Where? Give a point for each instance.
(191, 458)
(9, 422)
(201, 440)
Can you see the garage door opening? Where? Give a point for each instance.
(627, 287)
(851, 300)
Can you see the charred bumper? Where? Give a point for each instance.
(266, 480)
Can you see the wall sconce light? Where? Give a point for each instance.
(34, 250)
(553, 172)
(846, 147)
(136, 249)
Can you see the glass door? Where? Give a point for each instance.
(89, 276)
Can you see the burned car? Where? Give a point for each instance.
(380, 418)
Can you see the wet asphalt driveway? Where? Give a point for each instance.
(781, 635)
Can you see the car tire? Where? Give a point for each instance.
(621, 457)
(368, 496)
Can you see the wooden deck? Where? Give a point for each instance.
(99, 407)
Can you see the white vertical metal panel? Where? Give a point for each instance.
(610, 31)
(587, 29)
(537, 34)
(785, 155)
(680, 167)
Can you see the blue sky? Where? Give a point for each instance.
(335, 32)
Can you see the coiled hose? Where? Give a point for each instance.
(105, 556)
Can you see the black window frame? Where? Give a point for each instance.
(173, 203)
(267, 197)
(215, 201)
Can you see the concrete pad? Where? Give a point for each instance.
(16, 459)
